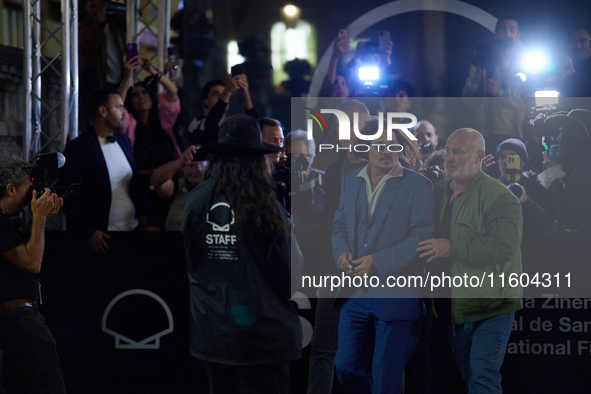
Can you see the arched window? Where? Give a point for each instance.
(287, 44)
(233, 55)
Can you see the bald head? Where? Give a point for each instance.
(472, 138)
(464, 151)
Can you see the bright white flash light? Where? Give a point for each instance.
(521, 76)
(546, 97)
(290, 10)
(535, 61)
(369, 73)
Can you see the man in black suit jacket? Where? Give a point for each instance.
(102, 160)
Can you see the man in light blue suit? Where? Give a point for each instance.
(384, 212)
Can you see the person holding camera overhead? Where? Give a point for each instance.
(493, 88)
(215, 97)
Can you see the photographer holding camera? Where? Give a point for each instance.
(512, 157)
(335, 83)
(578, 67)
(306, 197)
(567, 177)
(302, 151)
(29, 356)
(493, 77)
(427, 138)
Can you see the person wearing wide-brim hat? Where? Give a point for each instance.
(240, 135)
(238, 251)
(569, 179)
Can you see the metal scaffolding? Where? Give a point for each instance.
(37, 108)
(155, 20)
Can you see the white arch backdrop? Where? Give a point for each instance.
(396, 8)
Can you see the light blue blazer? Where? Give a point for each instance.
(403, 217)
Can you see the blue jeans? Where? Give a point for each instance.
(479, 348)
(372, 353)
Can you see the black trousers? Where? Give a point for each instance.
(247, 379)
(324, 347)
(29, 357)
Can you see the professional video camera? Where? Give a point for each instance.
(43, 164)
(372, 81)
(542, 76)
(487, 54)
(539, 70)
(485, 57)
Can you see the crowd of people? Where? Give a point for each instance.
(258, 205)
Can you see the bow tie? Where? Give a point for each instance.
(110, 139)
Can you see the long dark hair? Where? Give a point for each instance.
(247, 179)
(152, 147)
(153, 117)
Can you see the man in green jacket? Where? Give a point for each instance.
(478, 226)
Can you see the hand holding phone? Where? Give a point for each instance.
(130, 50)
(341, 44)
(343, 34)
(237, 70)
(384, 41)
(172, 52)
(513, 171)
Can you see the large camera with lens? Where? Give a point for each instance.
(371, 81)
(516, 189)
(43, 167)
(486, 58)
(426, 148)
(290, 183)
(298, 164)
(435, 174)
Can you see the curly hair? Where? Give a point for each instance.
(12, 170)
(247, 179)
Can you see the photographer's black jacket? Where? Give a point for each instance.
(204, 130)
